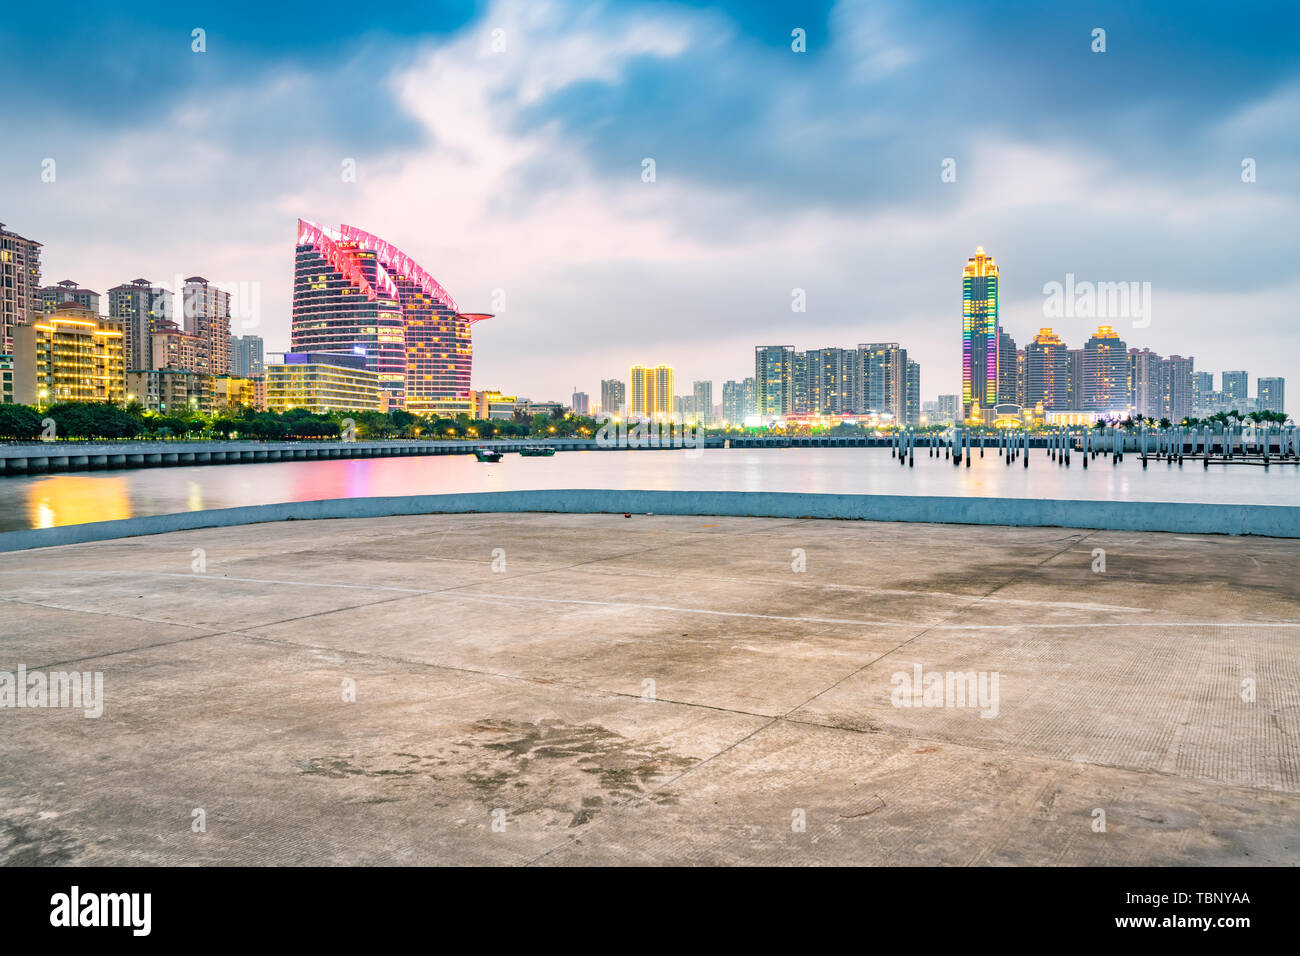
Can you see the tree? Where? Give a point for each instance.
(19, 421)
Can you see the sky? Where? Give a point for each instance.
(503, 145)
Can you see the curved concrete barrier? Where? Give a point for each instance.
(1277, 521)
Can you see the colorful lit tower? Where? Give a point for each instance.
(355, 293)
(979, 333)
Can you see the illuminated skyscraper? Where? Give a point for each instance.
(652, 393)
(774, 380)
(357, 294)
(979, 331)
(1047, 372)
(1106, 373)
(1235, 386)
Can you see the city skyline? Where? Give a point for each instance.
(521, 172)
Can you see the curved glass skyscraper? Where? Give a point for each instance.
(357, 294)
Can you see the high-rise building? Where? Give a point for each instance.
(53, 296)
(703, 402)
(1145, 396)
(357, 294)
(1105, 373)
(799, 386)
(139, 308)
(652, 393)
(1074, 379)
(882, 379)
(70, 355)
(20, 283)
(1176, 388)
(1271, 394)
(1047, 372)
(774, 380)
(832, 381)
(1202, 386)
(749, 389)
(979, 348)
(912, 404)
(206, 314)
(247, 356)
(613, 397)
(1021, 373)
(733, 402)
(580, 403)
(1007, 369)
(1235, 385)
(949, 408)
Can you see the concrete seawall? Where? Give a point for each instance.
(1278, 521)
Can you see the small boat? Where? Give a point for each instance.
(537, 451)
(487, 454)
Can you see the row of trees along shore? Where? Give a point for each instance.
(103, 420)
(93, 420)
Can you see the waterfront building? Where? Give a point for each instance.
(324, 382)
(1106, 373)
(979, 363)
(246, 356)
(6, 378)
(1047, 372)
(799, 385)
(357, 294)
(1144, 393)
(1008, 370)
(169, 391)
(206, 315)
(703, 402)
(912, 403)
(1202, 386)
(494, 406)
(1235, 386)
(231, 393)
(749, 388)
(580, 402)
(882, 380)
(67, 291)
(832, 381)
(70, 355)
(652, 392)
(1074, 379)
(1270, 394)
(774, 380)
(140, 308)
(1176, 388)
(949, 408)
(20, 283)
(613, 397)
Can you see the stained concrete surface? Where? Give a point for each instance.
(654, 690)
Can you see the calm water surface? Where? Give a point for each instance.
(44, 501)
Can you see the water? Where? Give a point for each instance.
(45, 501)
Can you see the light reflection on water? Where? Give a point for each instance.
(44, 501)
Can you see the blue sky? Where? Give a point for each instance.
(515, 176)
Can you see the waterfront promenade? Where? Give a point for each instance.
(558, 689)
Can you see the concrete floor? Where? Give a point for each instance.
(653, 690)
